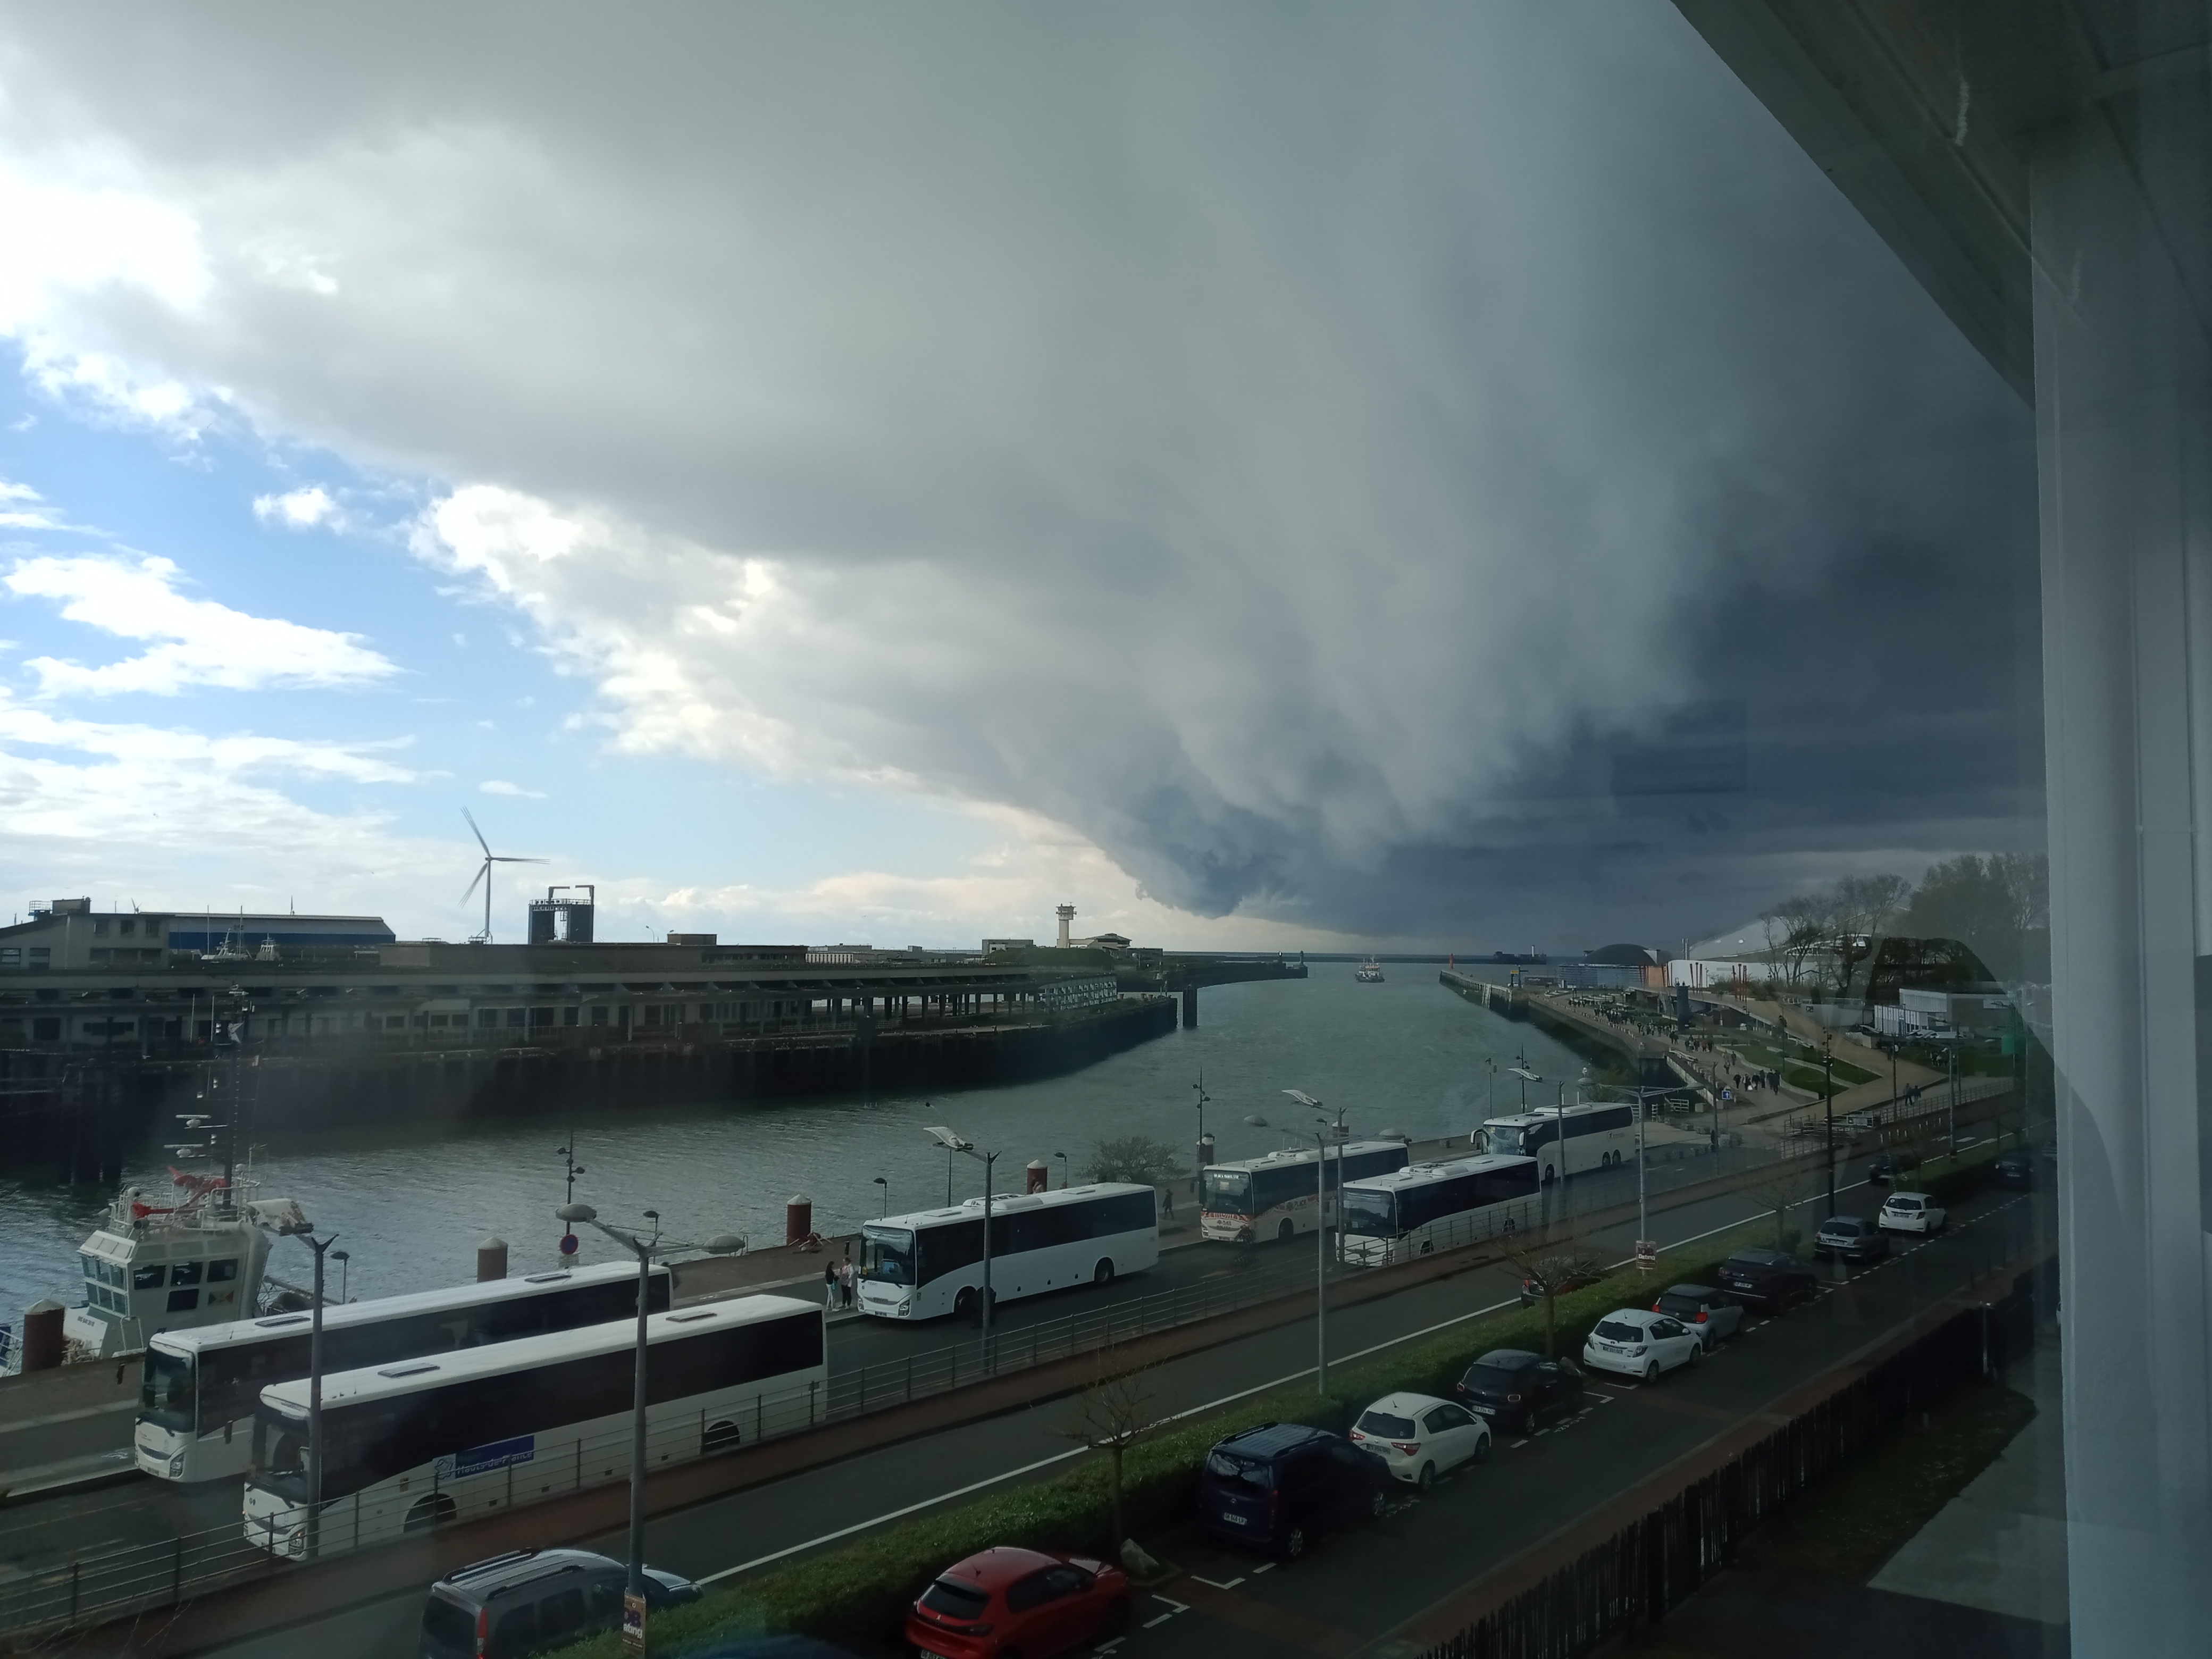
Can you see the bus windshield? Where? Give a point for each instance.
(887, 1253)
(1506, 1140)
(1372, 1215)
(1225, 1192)
(166, 1400)
(279, 1450)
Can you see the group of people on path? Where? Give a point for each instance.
(839, 1282)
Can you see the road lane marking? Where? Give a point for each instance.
(1265, 1566)
(1216, 1584)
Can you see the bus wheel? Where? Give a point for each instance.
(963, 1305)
(1285, 1233)
(1547, 1175)
(719, 1437)
(433, 1510)
(1103, 1272)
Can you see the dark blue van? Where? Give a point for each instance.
(1278, 1486)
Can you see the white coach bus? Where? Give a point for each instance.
(1431, 1206)
(1274, 1197)
(195, 1406)
(1570, 1138)
(422, 1441)
(930, 1263)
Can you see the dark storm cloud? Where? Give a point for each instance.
(1313, 453)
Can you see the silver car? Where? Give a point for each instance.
(1713, 1315)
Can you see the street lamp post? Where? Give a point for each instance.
(315, 1398)
(1320, 1134)
(645, 1249)
(344, 1259)
(1828, 1100)
(953, 1143)
(1202, 1098)
(1062, 1156)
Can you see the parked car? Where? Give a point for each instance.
(1714, 1316)
(1888, 1166)
(1851, 1238)
(1516, 1390)
(1279, 1485)
(1419, 1437)
(1639, 1343)
(1578, 1280)
(1004, 1601)
(1772, 1280)
(2014, 1170)
(1913, 1212)
(531, 1601)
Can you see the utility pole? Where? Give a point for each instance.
(1828, 1100)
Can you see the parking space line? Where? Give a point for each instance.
(1265, 1566)
(1216, 1584)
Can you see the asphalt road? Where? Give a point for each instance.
(54, 1527)
(1360, 1585)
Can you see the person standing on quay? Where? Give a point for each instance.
(845, 1282)
(829, 1287)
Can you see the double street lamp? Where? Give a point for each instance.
(1320, 1133)
(953, 1143)
(644, 1249)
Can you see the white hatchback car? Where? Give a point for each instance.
(1420, 1436)
(1912, 1212)
(1640, 1342)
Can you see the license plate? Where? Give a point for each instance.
(1236, 1520)
(1483, 1410)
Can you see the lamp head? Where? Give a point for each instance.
(574, 1213)
(944, 1138)
(1302, 1097)
(725, 1244)
(1256, 1119)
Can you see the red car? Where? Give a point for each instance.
(1006, 1601)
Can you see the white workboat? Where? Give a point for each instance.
(1370, 972)
(149, 1267)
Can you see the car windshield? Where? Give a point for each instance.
(1225, 1192)
(1385, 1426)
(1614, 1330)
(1842, 1223)
(956, 1600)
(166, 1397)
(448, 1628)
(887, 1254)
(1682, 1307)
(1370, 1214)
(1230, 1467)
(1904, 1203)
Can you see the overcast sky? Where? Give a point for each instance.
(1264, 475)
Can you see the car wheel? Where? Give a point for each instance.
(1285, 1233)
(1650, 1371)
(1427, 1476)
(1532, 1421)
(1378, 1506)
(1697, 1353)
(1482, 1450)
(1294, 1543)
(1115, 1618)
(1103, 1275)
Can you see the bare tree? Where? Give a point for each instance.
(1548, 1270)
(1781, 1190)
(1114, 1412)
(1797, 929)
(1860, 909)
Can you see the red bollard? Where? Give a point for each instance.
(42, 1336)
(1036, 1173)
(798, 1219)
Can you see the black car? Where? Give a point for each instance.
(533, 1601)
(1516, 1390)
(1849, 1238)
(1767, 1279)
(1276, 1486)
(1888, 1166)
(2014, 1170)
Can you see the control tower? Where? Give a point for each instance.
(1066, 914)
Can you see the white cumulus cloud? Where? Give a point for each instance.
(196, 641)
(502, 786)
(296, 509)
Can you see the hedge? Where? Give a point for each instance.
(861, 1592)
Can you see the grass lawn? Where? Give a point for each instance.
(1846, 1527)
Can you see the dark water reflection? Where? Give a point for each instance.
(412, 1201)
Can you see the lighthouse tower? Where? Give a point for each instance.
(1066, 914)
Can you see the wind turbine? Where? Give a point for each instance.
(483, 875)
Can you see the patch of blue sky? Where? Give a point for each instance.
(472, 695)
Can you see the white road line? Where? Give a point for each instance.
(1216, 1584)
(1265, 1566)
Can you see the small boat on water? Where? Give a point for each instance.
(149, 1267)
(1370, 972)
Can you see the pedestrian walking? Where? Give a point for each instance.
(830, 1287)
(845, 1281)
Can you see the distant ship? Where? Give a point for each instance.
(203, 1261)
(1370, 972)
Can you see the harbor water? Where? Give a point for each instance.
(411, 1201)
